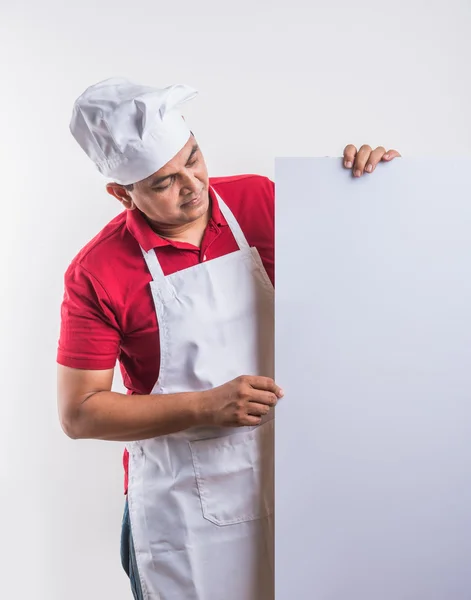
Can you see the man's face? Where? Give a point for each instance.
(176, 194)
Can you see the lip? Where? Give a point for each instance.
(194, 201)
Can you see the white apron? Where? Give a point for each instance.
(201, 501)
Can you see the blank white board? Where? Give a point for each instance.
(373, 350)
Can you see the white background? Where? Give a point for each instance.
(297, 78)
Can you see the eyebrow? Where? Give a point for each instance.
(162, 179)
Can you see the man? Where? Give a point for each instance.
(179, 289)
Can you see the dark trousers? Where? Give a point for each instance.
(128, 556)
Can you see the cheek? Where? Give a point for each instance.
(165, 204)
(153, 205)
(201, 171)
(203, 178)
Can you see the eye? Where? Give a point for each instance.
(164, 187)
(193, 162)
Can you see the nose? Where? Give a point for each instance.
(190, 184)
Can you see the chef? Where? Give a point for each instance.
(178, 289)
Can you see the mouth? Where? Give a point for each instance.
(194, 201)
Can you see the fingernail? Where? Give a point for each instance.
(281, 393)
(348, 164)
(357, 173)
(369, 168)
(386, 156)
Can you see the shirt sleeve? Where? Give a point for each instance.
(90, 336)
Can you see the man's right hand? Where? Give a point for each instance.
(240, 402)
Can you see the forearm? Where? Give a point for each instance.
(120, 417)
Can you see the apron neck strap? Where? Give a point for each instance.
(153, 264)
(151, 257)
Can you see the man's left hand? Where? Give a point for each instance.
(366, 159)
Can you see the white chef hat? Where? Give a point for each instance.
(130, 131)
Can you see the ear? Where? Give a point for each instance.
(121, 194)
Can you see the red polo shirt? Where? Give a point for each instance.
(107, 312)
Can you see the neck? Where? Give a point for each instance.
(191, 233)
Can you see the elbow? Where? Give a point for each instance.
(69, 428)
(70, 431)
(72, 425)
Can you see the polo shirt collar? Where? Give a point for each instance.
(147, 238)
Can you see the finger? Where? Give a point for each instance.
(251, 421)
(349, 156)
(265, 383)
(390, 154)
(258, 410)
(374, 159)
(262, 397)
(361, 159)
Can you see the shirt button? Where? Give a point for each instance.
(204, 257)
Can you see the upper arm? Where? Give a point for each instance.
(74, 386)
(89, 344)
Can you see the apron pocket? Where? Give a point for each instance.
(235, 475)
